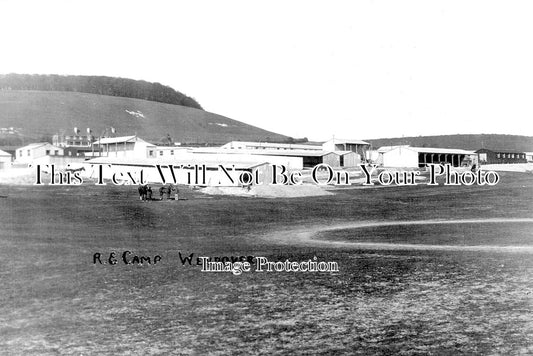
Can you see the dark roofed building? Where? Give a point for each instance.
(487, 156)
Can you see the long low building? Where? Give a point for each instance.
(335, 152)
(407, 156)
(487, 156)
(309, 158)
(247, 145)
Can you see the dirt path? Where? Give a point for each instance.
(307, 236)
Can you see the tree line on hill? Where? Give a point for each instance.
(128, 88)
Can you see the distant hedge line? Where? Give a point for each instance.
(128, 88)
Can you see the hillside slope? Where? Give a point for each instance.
(35, 114)
(467, 142)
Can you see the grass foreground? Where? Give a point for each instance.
(56, 300)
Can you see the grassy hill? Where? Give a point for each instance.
(38, 114)
(467, 142)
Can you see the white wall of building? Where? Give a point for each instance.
(372, 155)
(28, 154)
(5, 160)
(399, 157)
(329, 145)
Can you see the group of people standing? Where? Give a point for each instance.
(145, 192)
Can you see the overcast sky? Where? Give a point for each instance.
(353, 69)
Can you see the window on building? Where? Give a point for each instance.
(56, 152)
(29, 154)
(151, 153)
(172, 152)
(497, 155)
(70, 153)
(160, 153)
(20, 153)
(47, 152)
(512, 155)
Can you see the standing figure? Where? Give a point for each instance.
(169, 190)
(141, 191)
(176, 195)
(145, 191)
(148, 193)
(161, 192)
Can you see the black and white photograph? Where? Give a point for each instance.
(240, 177)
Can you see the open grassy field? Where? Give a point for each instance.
(384, 299)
